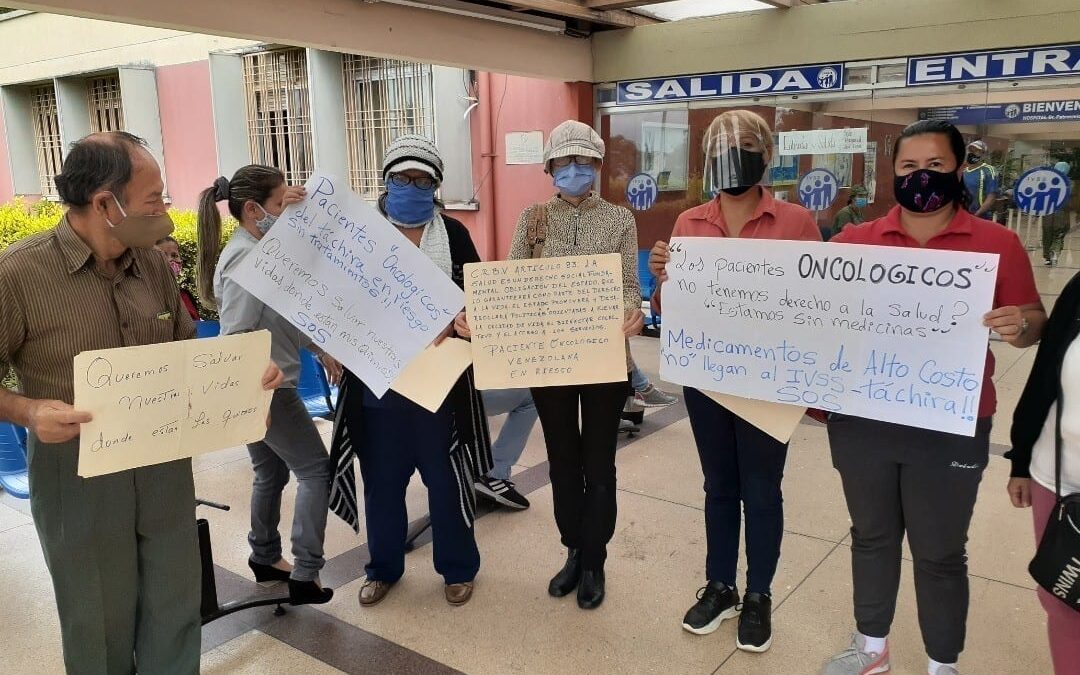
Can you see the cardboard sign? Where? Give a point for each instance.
(887, 333)
(158, 403)
(344, 275)
(546, 322)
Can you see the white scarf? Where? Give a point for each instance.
(435, 242)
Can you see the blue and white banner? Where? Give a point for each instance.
(1007, 113)
(1001, 64)
(801, 79)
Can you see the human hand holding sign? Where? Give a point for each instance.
(658, 258)
(56, 421)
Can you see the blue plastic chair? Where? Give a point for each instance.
(314, 388)
(208, 329)
(648, 285)
(14, 475)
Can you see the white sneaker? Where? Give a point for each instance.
(855, 660)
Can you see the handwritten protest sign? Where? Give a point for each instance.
(546, 322)
(157, 403)
(428, 378)
(344, 275)
(887, 333)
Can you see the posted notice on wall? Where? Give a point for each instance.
(547, 321)
(158, 403)
(892, 334)
(525, 147)
(339, 271)
(823, 142)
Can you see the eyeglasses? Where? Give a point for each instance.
(580, 160)
(422, 182)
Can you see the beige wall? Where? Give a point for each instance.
(353, 26)
(842, 31)
(42, 46)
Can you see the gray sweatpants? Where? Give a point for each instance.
(292, 443)
(901, 479)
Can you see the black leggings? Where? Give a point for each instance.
(581, 459)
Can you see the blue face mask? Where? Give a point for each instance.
(408, 205)
(573, 180)
(860, 202)
(266, 222)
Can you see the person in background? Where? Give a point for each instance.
(256, 195)
(743, 466)
(393, 437)
(122, 548)
(906, 480)
(581, 422)
(852, 214)
(981, 181)
(520, 411)
(170, 250)
(1055, 226)
(646, 393)
(1053, 384)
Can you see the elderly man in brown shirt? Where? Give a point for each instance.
(121, 548)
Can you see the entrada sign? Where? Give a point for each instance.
(1001, 64)
(826, 77)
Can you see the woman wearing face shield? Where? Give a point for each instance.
(743, 466)
(577, 221)
(393, 437)
(904, 480)
(256, 195)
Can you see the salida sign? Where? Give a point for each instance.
(825, 77)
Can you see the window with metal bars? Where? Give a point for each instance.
(47, 144)
(105, 103)
(279, 112)
(384, 99)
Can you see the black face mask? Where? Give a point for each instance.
(736, 191)
(973, 158)
(737, 170)
(926, 191)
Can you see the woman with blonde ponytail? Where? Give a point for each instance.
(256, 196)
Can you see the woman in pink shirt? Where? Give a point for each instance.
(743, 465)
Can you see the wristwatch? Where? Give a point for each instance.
(1023, 326)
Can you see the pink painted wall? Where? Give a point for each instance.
(516, 104)
(7, 185)
(187, 131)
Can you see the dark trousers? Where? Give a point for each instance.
(743, 468)
(397, 438)
(901, 479)
(582, 462)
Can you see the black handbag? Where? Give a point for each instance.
(1056, 565)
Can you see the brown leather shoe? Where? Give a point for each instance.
(373, 592)
(459, 594)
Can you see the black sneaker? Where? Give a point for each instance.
(755, 623)
(501, 492)
(716, 601)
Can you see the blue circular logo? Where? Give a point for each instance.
(818, 189)
(827, 78)
(1012, 111)
(1041, 191)
(642, 191)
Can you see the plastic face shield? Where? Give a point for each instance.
(734, 156)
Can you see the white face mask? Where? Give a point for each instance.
(266, 222)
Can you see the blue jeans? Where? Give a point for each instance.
(638, 380)
(518, 405)
(397, 438)
(743, 468)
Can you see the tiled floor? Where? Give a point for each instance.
(654, 569)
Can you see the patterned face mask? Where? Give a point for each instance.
(926, 191)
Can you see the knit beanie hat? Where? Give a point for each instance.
(413, 151)
(573, 138)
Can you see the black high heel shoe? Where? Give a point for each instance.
(308, 593)
(267, 574)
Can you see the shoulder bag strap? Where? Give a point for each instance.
(536, 230)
